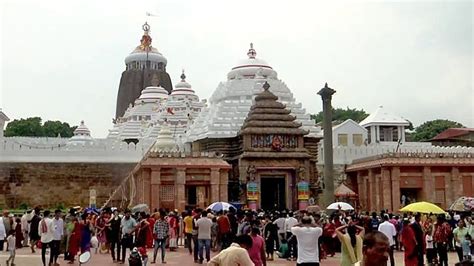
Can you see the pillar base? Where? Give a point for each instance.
(302, 205)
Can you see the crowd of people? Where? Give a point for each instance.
(239, 237)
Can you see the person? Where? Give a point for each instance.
(420, 240)
(204, 236)
(270, 235)
(280, 223)
(58, 224)
(74, 239)
(3, 234)
(430, 250)
(7, 223)
(173, 226)
(292, 241)
(257, 251)
(46, 229)
(34, 226)
(18, 233)
(100, 226)
(143, 232)
(307, 237)
(128, 225)
(11, 247)
(283, 251)
(223, 233)
(409, 244)
(24, 227)
(441, 238)
(460, 233)
(327, 239)
(375, 248)
(235, 255)
(351, 244)
(160, 234)
(390, 231)
(113, 235)
(195, 235)
(86, 228)
(188, 231)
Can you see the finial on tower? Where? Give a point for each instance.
(145, 42)
(252, 53)
(326, 85)
(146, 28)
(183, 76)
(266, 86)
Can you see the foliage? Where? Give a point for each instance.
(32, 127)
(339, 114)
(430, 129)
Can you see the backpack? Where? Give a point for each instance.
(374, 224)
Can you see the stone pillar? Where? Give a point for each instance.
(372, 192)
(180, 190)
(428, 185)
(328, 193)
(215, 179)
(361, 190)
(147, 189)
(386, 189)
(223, 186)
(395, 186)
(455, 189)
(378, 203)
(155, 188)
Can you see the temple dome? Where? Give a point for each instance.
(82, 135)
(145, 52)
(252, 67)
(182, 87)
(165, 141)
(153, 93)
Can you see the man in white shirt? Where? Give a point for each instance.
(58, 234)
(204, 236)
(389, 230)
(307, 235)
(24, 227)
(46, 231)
(292, 242)
(280, 222)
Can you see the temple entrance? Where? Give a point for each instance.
(273, 194)
(191, 196)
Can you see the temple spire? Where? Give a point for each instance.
(252, 53)
(183, 76)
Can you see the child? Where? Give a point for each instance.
(144, 255)
(11, 245)
(466, 247)
(430, 250)
(283, 251)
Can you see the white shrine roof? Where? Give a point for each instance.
(381, 117)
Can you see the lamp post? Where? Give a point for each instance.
(328, 192)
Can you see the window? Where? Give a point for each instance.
(369, 134)
(357, 139)
(395, 134)
(342, 139)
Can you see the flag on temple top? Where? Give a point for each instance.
(170, 110)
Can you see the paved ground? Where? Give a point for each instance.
(181, 257)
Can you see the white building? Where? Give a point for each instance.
(3, 118)
(349, 134)
(231, 101)
(383, 126)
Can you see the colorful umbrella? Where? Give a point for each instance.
(463, 204)
(340, 206)
(423, 207)
(220, 206)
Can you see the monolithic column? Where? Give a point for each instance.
(328, 193)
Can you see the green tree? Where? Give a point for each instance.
(55, 128)
(32, 127)
(430, 129)
(339, 114)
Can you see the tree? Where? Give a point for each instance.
(340, 114)
(430, 129)
(32, 127)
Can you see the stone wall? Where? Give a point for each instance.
(54, 184)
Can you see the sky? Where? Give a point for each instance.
(62, 60)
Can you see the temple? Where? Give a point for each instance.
(143, 63)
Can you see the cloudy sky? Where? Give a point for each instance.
(62, 60)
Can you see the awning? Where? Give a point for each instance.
(343, 191)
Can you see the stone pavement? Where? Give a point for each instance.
(181, 257)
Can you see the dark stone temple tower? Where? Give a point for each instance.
(141, 65)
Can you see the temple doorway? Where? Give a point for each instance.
(191, 196)
(273, 194)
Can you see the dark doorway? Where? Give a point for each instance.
(191, 196)
(273, 193)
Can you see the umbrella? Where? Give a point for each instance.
(140, 208)
(340, 205)
(423, 207)
(313, 209)
(463, 204)
(220, 206)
